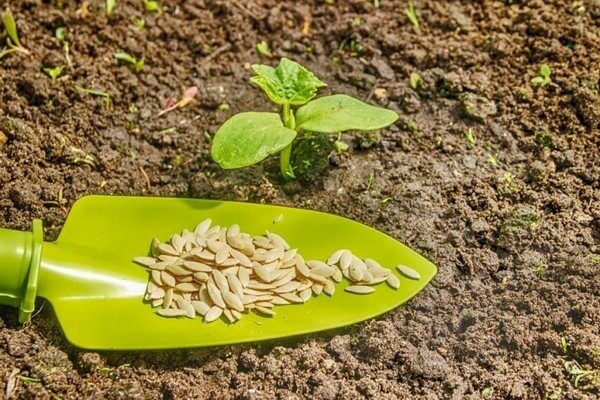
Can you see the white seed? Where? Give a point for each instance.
(214, 245)
(227, 313)
(187, 287)
(229, 262)
(358, 289)
(393, 281)
(197, 266)
(202, 254)
(177, 242)
(259, 286)
(176, 270)
(241, 257)
(263, 242)
(301, 267)
(235, 285)
(200, 307)
(222, 255)
(278, 240)
(274, 254)
(204, 296)
(200, 276)
(233, 230)
(244, 276)
(329, 288)
(212, 314)
(305, 295)
(322, 269)
(236, 314)
(145, 261)
(370, 263)
(318, 278)
(335, 257)
(167, 279)
(408, 272)
(265, 311)
(156, 277)
(157, 302)
(202, 227)
(288, 255)
(233, 301)
(293, 297)
(355, 272)
(337, 275)
(186, 306)
(154, 247)
(288, 287)
(376, 280)
(168, 299)
(278, 301)
(169, 259)
(166, 248)
(345, 259)
(215, 294)
(171, 313)
(220, 280)
(159, 266)
(263, 273)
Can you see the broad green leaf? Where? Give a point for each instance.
(288, 83)
(249, 138)
(338, 113)
(11, 27)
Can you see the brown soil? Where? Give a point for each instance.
(512, 220)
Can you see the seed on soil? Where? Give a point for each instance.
(408, 272)
(216, 271)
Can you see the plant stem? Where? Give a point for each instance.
(284, 158)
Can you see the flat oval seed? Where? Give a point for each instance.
(377, 280)
(288, 255)
(265, 311)
(197, 266)
(301, 267)
(222, 255)
(204, 296)
(345, 259)
(317, 288)
(200, 307)
(335, 257)
(408, 272)
(186, 306)
(171, 313)
(177, 242)
(212, 314)
(293, 297)
(167, 278)
(187, 287)
(263, 273)
(168, 258)
(241, 257)
(337, 275)
(145, 261)
(244, 276)
(200, 276)
(202, 227)
(360, 289)
(220, 280)
(278, 301)
(166, 248)
(355, 272)
(236, 314)
(156, 277)
(274, 254)
(227, 313)
(278, 240)
(305, 295)
(324, 270)
(235, 285)
(214, 245)
(157, 302)
(157, 293)
(178, 271)
(215, 294)
(233, 230)
(233, 301)
(159, 266)
(372, 263)
(393, 281)
(168, 299)
(329, 288)
(154, 247)
(288, 287)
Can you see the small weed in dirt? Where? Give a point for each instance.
(507, 186)
(538, 270)
(54, 72)
(339, 145)
(248, 138)
(580, 375)
(140, 23)
(543, 78)
(61, 33)
(411, 13)
(152, 6)
(95, 92)
(110, 7)
(492, 159)
(136, 64)
(12, 41)
(487, 392)
(188, 96)
(263, 49)
(415, 79)
(564, 344)
(470, 138)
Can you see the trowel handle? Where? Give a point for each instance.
(20, 257)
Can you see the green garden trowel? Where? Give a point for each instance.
(97, 291)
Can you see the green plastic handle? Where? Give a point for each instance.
(20, 258)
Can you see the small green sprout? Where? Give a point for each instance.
(94, 92)
(28, 380)
(579, 374)
(492, 159)
(415, 80)
(263, 49)
(411, 13)
(60, 33)
(110, 7)
(224, 107)
(53, 73)
(140, 23)
(564, 344)
(469, 136)
(136, 64)
(340, 145)
(152, 6)
(188, 96)
(12, 41)
(248, 138)
(539, 269)
(506, 185)
(544, 77)
(487, 392)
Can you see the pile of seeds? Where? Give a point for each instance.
(215, 271)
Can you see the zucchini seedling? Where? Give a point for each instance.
(12, 40)
(136, 64)
(250, 137)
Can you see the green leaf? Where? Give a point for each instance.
(249, 138)
(110, 7)
(121, 56)
(545, 71)
(340, 113)
(538, 80)
(11, 27)
(288, 83)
